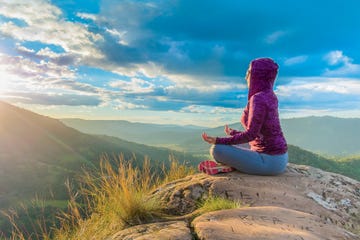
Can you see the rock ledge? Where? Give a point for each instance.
(302, 203)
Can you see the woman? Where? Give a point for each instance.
(268, 149)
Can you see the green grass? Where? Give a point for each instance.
(214, 203)
(57, 203)
(37, 202)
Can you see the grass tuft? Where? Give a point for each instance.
(116, 197)
(214, 203)
(176, 170)
(109, 200)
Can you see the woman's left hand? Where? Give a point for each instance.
(211, 140)
(227, 130)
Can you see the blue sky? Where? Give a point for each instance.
(179, 61)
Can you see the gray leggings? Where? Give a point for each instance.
(248, 161)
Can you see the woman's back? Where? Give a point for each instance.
(270, 139)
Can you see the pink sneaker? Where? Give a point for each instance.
(212, 167)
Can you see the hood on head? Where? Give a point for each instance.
(263, 72)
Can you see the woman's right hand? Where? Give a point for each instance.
(208, 139)
(227, 130)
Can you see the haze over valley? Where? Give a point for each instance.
(328, 136)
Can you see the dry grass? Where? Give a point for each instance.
(115, 197)
(22, 231)
(176, 171)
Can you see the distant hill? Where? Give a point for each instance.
(329, 136)
(38, 153)
(325, 135)
(346, 166)
(182, 138)
(151, 134)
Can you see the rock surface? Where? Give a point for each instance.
(302, 203)
(173, 230)
(270, 223)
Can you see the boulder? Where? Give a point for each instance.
(302, 203)
(330, 200)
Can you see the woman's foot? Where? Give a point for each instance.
(211, 167)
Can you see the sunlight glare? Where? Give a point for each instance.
(5, 80)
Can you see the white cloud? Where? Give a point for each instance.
(335, 57)
(53, 98)
(208, 109)
(195, 109)
(129, 16)
(46, 70)
(206, 83)
(26, 69)
(274, 37)
(295, 60)
(32, 12)
(22, 73)
(122, 105)
(151, 70)
(119, 35)
(135, 85)
(148, 69)
(48, 55)
(46, 52)
(346, 69)
(89, 16)
(44, 24)
(175, 50)
(25, 50)
(223, 110)
(307, 87)
(47, 83)
(345, 63)
(180, 82)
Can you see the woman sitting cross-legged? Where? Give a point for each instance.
(268, 149)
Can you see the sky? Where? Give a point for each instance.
(177, 61)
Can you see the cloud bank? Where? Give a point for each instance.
(184, 56)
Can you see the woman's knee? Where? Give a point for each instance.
(216, 151)
(213, 149)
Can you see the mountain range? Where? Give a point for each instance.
(328, 136)
(339, 152)
(39, 153)
(325, 135)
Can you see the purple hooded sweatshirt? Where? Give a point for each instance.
(260, 118)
